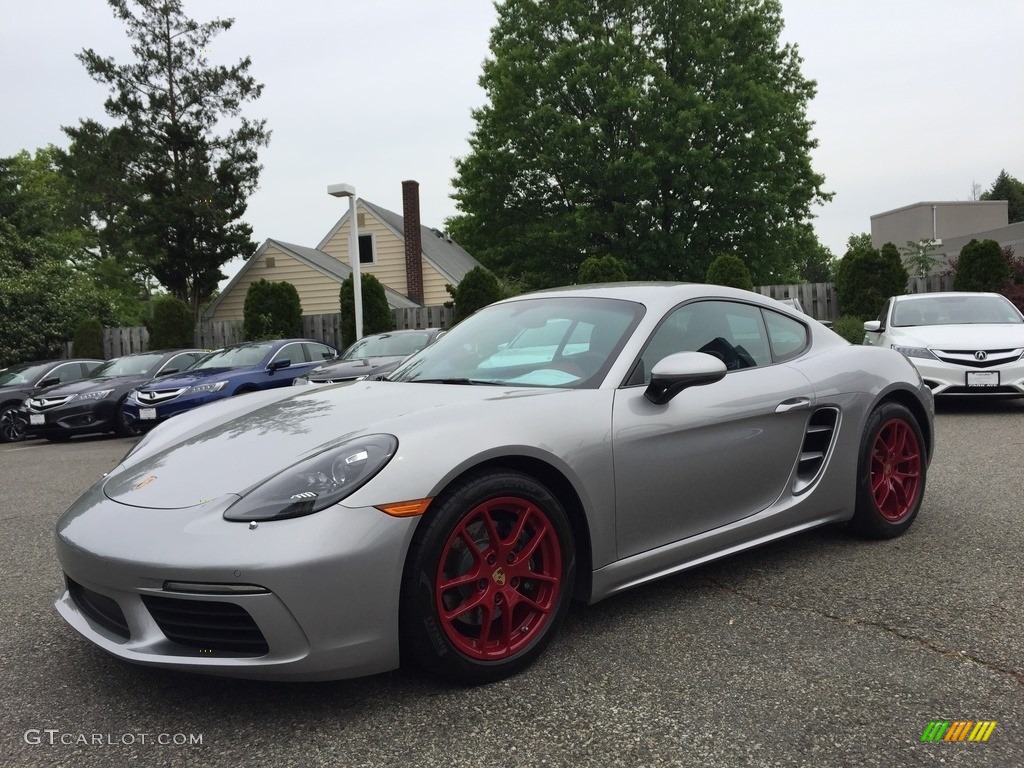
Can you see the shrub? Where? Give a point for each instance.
(172, 325)
(477, 289)
(850, 328)
(606, 269)
(866, 277)
(729, 270)
(88, 341)
(271, 311)
(377, 316)
(981, 267)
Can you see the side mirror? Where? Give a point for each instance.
(49, 382)
(872, 326)
(279, 364)
(674, 373)
(167, 372)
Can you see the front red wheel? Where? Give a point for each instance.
(891, 472)
(488, 579)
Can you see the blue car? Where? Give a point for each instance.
(230, 371)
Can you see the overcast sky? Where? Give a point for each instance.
(917, 99)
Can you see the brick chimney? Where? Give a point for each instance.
(413, 243)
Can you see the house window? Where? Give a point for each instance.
(366, 255)
(270, 261)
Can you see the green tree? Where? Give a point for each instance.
(377, 317)
(654, 131)
(172, 325)
(866, 277)
(88, 340)
(46, 287)
(1006, 187)
(478, 288)
(729, 270)
(271, 311)
(167, 184)
(606, 269)
(981, 266)
(919, 257)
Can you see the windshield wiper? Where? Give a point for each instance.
(455, 381)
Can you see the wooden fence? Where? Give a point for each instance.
(820, 301)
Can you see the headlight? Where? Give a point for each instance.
(915, 352)
(99, 395)
(316, 483)
(213, 386)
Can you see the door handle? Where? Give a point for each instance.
(793, 404)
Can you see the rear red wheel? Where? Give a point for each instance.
(489, 578)
(891, 473)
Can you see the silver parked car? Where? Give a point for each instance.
(962, 343)
(565, 444)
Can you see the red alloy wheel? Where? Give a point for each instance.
(895, 470)
(498, 578)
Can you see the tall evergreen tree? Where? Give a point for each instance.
(661, 133)
(1006, 187)
(168, 184)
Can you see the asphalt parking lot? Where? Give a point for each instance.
(823, 650)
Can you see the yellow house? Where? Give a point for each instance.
(413, 262)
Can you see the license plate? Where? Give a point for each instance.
(147, 414)
(983, 378)
(36, 418)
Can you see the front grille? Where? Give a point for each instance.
(152, 397)
(46, 403)
(207, 625)
(966, 357)
(100, 608)
(980, 391)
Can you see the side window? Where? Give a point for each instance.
(787, 336)
(291, 352)
(317, 353)
(66, 373)
(732, 332)
(177, 363)
(884, 314)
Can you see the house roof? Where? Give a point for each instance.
(322, 262)
(439, 250)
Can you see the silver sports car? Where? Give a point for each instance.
(564, 444)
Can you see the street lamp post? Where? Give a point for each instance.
(347, 190)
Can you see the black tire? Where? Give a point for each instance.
(487, 577)
(124, 426)
(891, 473)
(12, 426)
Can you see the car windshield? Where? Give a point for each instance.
(954, 309)
(21, 374)
(386, 345)
(538, 342)
(234, 357)
(127, 366)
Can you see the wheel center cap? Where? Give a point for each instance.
(499, 576)
(888, 469)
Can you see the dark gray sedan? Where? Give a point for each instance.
(565, 444)
(372, 355)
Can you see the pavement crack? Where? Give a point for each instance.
(1018, 677)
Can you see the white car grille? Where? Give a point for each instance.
(158, 396)
(978, 358)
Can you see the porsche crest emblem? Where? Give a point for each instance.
(499, 577)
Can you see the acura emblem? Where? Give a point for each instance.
(981, 354)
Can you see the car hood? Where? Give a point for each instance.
(94, 385)
(354, 368)
(234, 445)
(961, 337)
(194, 377)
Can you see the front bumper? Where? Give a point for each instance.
(154, 414)
(77, 417)
(949, 379)
(319, 598)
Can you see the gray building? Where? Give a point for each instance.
(951, 225)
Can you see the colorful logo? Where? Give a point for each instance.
(958, 730)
